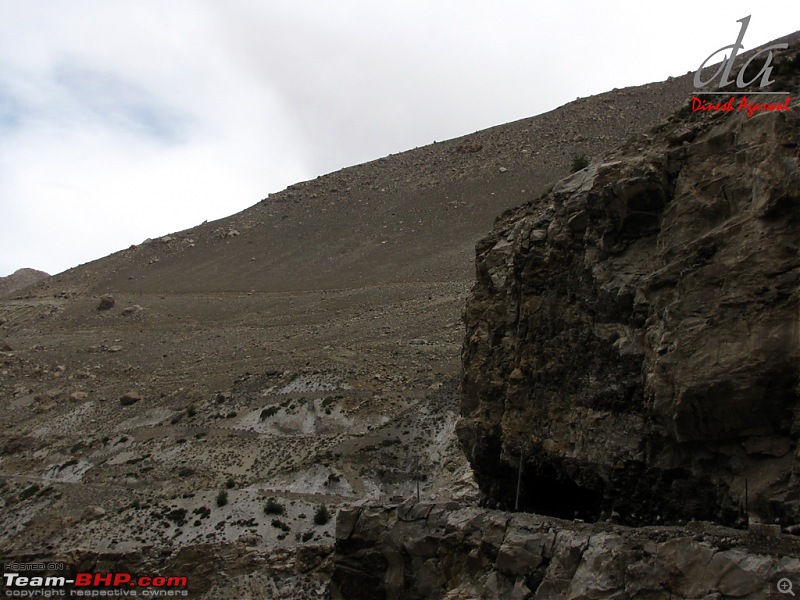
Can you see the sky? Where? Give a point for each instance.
(125, 120)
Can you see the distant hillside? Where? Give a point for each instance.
(408, 217)
(20, 279)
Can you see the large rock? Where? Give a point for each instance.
(634, 335)
(107, 302)
(129, 398)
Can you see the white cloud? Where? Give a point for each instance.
(124, 120)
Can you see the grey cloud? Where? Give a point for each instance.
(107, 97)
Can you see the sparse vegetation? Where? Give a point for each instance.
(177, 516)
(204, 512)
(28, 492)
(278, 524)
(273, 507)
(579, 161)
(322, 516)
(268, 412)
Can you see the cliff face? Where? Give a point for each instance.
(634, 333)
(426, 551)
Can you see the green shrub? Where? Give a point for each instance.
(579, 161)
(322, 516)
(222, 498)
(273, 507)
(268, 412)
(204, 512)
(278, 524)
(177, 516)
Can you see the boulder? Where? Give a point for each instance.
(131, 310)
(106, 302)
(129, 398)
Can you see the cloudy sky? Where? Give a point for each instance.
(122, 120)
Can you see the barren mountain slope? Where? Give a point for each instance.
(409, 217)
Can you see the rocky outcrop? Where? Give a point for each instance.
(633, 337)
(416, 551)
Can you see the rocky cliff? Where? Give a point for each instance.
(633, 337)
(416, 551)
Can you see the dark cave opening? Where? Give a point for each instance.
(546, 490)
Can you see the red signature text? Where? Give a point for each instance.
(744, 105)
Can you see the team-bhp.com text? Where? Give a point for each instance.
(94, 585)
